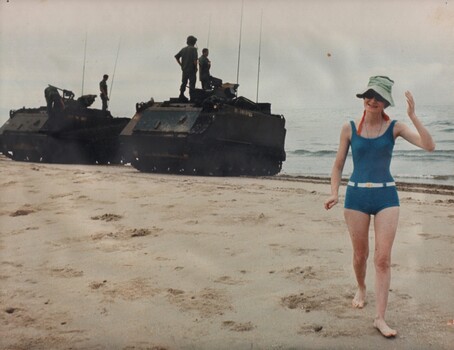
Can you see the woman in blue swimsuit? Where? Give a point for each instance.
(371, 189)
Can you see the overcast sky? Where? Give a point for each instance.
(313, 52)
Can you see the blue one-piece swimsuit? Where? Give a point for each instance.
(371, 162)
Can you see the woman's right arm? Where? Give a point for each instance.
(336, 173)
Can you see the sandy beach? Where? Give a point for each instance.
(106, 257)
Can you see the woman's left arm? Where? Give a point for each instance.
(422, 137)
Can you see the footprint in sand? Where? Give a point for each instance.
(302, 272)
(10, 310)
(140, 232)
(207, 302)
(25, 210)
(307, 329)
(66, 272)
(238, 327)
(9, 183)
(127, 234)
(228, 280)
(133, 289)
(107, 217)
(61, 195)
(304, 301)
(303, 251)
(10, 263)
(175, 291)
(96, 285)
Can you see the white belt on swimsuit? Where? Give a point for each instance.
(371, 184)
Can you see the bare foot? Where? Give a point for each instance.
(384, 329)
(359, 299)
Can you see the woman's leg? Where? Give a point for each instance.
(385, 224)
(358, 226)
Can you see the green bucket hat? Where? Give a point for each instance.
(381, 85)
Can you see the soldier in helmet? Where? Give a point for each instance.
(187, 58)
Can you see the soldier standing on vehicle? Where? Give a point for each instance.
(53, 100)
(204, 72)
(104, 96)
(187, 58)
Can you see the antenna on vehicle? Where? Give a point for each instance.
(209, 30)
(239, 47)
(83, 70)
(115, 68)
(260, 50)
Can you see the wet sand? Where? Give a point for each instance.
(100, 257)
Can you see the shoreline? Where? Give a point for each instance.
(418, 187)
(107, 257)
(447, 190)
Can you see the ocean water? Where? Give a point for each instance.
(313, 138)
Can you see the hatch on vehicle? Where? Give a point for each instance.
(167, 120)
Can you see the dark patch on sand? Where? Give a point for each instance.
(107, 217)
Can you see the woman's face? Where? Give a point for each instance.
(374, 105)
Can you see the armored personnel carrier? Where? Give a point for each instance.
(64, 131)
(216, 133)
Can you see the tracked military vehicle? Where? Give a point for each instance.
(64, 131)
(216, 133)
